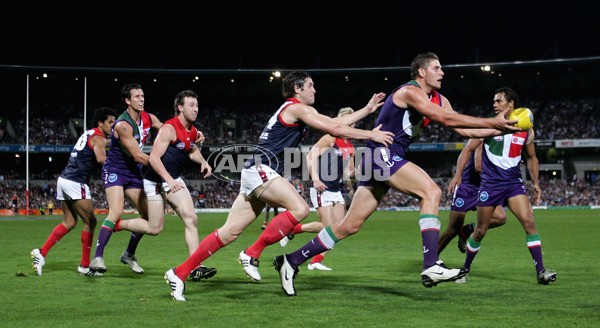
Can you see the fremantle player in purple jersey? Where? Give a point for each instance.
(405, 112)
(122, 173)
(464, 188)
(502, 185)
(262, 183)
(73, 190)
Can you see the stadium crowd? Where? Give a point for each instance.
(216, 193)
(556, 119)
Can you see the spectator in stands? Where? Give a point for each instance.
(15, 203)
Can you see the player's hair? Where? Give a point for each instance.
(293, 79)
(180, 99)
(345, 111)
(509, 94)
(126, 90)
(421, 61)
(101, 114)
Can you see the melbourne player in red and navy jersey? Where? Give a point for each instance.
(73, 190)
(261, 182)
(174, 145)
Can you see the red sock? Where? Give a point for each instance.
(55, 236)
(297, 229)
(281, 225)
(208, 246)
(317, 259)
(86, 247)
(117, 225)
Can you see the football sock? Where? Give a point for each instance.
(472, 250)
(55, 236)
(86, 247)
(281, 226)
(430, 233)
(324, 241)
(535, 249)
(106, 231)
(208, 246)
(317, 259)
(134, 240)
(297, 229)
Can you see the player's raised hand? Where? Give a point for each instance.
(375, 102)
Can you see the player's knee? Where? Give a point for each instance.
(433, 193)
(116, 214)
(154, 231)
(300, 211)
(190, 219)
(346, 230)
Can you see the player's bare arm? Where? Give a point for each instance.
(98, 144)
(313, 160)
(125, 134)
(470, 132)
(196, 157)
(411, 96)
(533, 166)
(156, 123)
(312, 118)
(374, 103)
(461, 163)
(165, 136)
(477, 159)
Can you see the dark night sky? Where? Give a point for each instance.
(460, 32)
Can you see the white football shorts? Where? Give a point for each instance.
(253, 178)
(71, 190)
(325, 198)
(153, 188)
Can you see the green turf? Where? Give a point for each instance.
(375, 281)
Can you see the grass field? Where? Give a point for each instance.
(375, 281)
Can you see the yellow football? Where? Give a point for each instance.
(524, 116)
